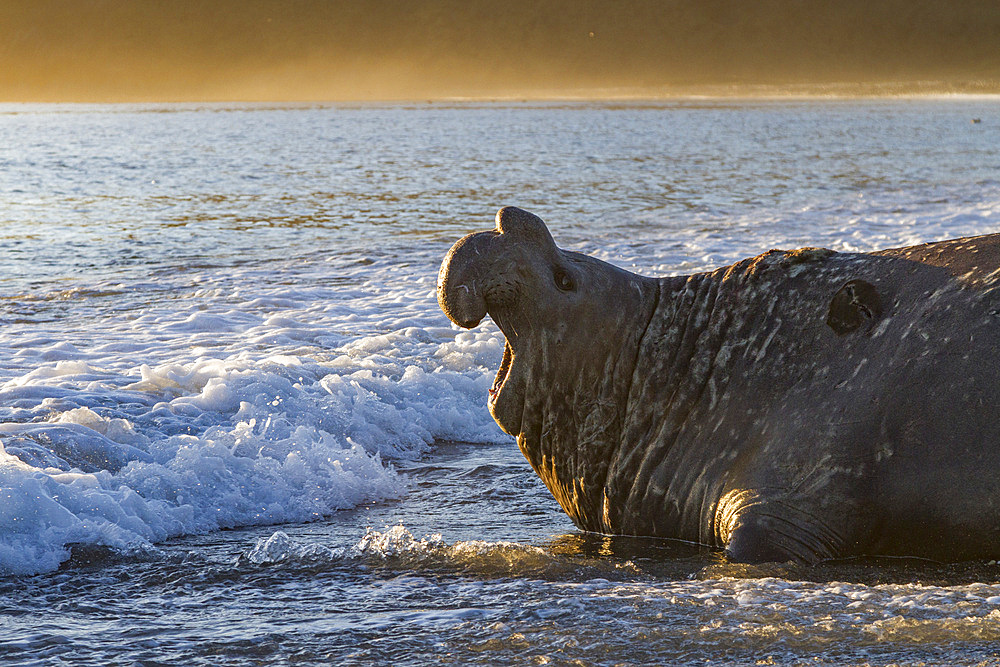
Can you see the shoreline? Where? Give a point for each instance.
(700, 95)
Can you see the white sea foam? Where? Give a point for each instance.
(395, 546)
(792, 611)
(220, 429)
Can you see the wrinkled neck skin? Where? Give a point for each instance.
(656, 487)
(677, 460)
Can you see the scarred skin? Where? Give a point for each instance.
(801, 405)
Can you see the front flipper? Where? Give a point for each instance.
(754, 530)
(760, 539)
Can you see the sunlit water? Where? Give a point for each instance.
(237, 429)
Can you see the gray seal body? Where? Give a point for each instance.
(799, 405)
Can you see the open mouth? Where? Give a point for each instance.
(508, 357)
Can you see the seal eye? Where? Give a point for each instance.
(563, 281)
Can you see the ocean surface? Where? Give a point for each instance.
(237, 429)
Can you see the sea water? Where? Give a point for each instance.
(237, 429)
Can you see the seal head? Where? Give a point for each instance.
(572, 325)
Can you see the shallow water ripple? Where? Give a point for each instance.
(220, 321)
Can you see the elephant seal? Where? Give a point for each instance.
(799, 405)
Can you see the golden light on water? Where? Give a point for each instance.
(308, 50)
